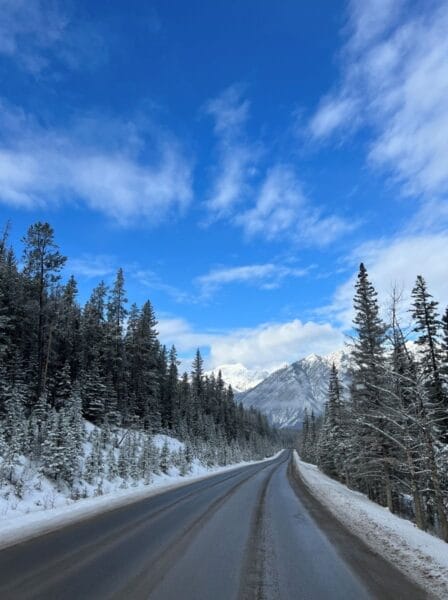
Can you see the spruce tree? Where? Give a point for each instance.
(115, 357)
(370, 446)
(427, 326)
(445, 347)
(62, 388)
(42, 265)
(93, 393)
(165, 458)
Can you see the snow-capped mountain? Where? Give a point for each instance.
(240, 377)
(284, 395)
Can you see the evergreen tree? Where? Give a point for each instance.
(165, 458)
(427, 326)
(62, 388)
(370, 448)
(115, 356)
(61, 363)
(43, 263)
(331, 447)
(93, 393)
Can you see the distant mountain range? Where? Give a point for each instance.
(284, 395)
(240, 377)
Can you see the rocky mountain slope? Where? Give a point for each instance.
(284, 395)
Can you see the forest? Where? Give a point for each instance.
(387, 434)
(83, 389)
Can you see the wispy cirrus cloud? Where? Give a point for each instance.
(152, 281)
(264, 200)
(333, 113)
(237, 157)
(93, 161)
(395, 82)
(91, 266)
(230, 111)
(37, 34)
(264, 276)
(105, 266)
(281, 210)
(393, 263)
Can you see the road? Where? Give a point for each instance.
(247, 534)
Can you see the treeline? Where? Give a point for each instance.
(387, 435)
(62, 363)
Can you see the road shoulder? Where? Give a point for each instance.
(377, 572)
(34, 524)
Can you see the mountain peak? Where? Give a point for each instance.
(240, 377)
(285, 394)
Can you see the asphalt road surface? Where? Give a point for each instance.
(252, 533)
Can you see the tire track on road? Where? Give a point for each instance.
(60, 567)
(148, 581)
(253, 584)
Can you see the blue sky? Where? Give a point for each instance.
(237, 158)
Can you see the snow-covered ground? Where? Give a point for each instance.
(423, 557)
(37, 493)
(45, 509)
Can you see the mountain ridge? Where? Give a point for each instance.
(240, 377)
(285, 394)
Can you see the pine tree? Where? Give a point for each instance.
(62, 388)
(93, 393)
(94, 463)
(52, 453)
(173, 411)
(14, 431)
(197, 375)
(445, 347)
(330, 446)
(165, 458)
(409, 417)
(66, 333)
(111, 465)
(61, 363)
(93, 328)
(427, 326)
(370, 448)
(43, 263)
(304, 438)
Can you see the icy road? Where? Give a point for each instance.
(252, 533)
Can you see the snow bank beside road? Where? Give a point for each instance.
(26, 526)
(421, 556)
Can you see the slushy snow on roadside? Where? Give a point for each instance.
(41, 505)
(421, 556)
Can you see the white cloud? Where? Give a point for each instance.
(178, 331)
(232, 182)
(395, 80)
(332, 113)
(368, 21)
(37, 33)
(237, 158)
(229, 110)
(267, 346)
(95, 162)
(397, 262)
(265, 276)
(264, 202)
(281, 209)
(152, 281)
(92, 266)
(272, 344)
